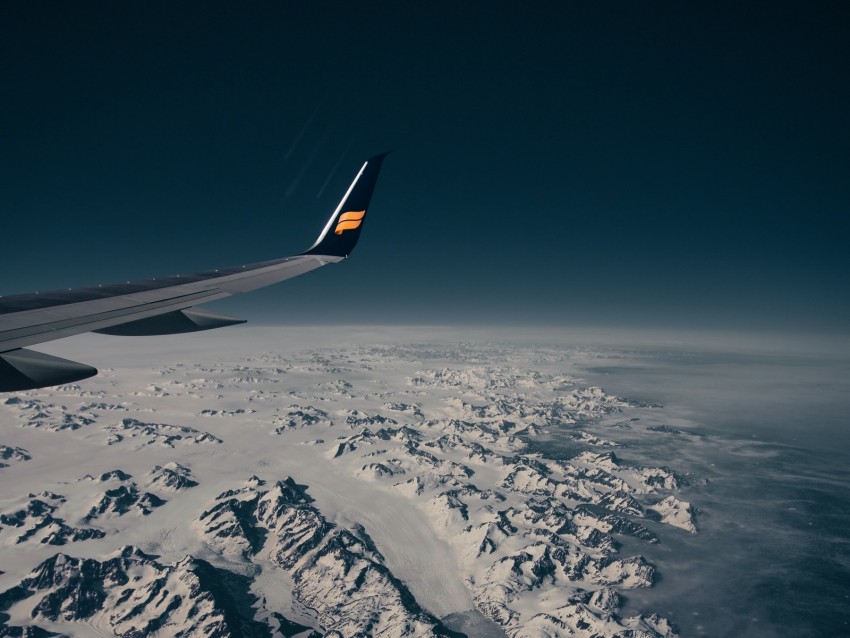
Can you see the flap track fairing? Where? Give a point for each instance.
(24, 369)
(172, 323)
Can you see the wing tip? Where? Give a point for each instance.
(339, 237)
(378, 157)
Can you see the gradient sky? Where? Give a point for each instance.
(614, 163)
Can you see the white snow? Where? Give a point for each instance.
(421, 446)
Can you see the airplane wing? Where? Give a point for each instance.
(159, 306)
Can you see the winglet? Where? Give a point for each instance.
(343, 228)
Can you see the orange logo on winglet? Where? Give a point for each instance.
(349, 221)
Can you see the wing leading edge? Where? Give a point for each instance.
(159, 306)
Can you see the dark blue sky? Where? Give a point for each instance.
(630, 164)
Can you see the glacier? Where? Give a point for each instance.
(369, 489)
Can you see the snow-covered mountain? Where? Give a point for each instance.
(367, 491)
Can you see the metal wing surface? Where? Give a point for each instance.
(159, 306)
